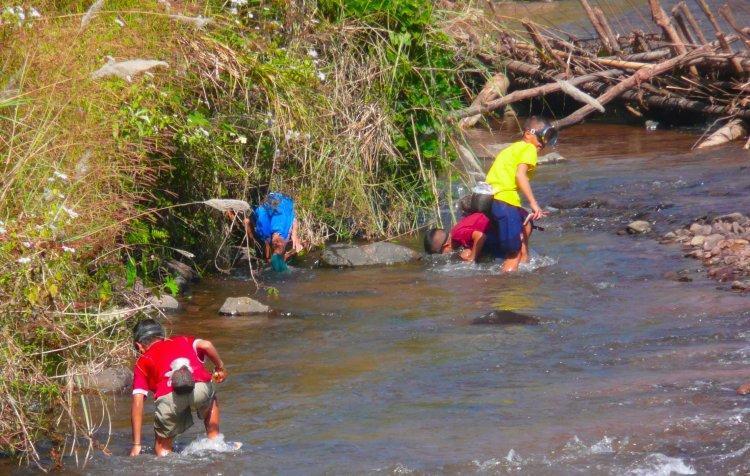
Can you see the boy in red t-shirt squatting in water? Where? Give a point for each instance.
(172, 369)
(470, 234)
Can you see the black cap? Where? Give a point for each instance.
(147, 328)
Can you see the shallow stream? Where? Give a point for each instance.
(379, 370)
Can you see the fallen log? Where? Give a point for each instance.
(672, 103)
(530, 93)
(640, 76)
(732, 130)
(496, 87)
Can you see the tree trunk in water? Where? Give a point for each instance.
(733, 130)
(495, 88)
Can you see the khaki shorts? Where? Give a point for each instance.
(173, 412)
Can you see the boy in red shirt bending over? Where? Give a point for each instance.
(172, 369)
(470, 234)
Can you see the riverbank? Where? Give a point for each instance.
(120, 117)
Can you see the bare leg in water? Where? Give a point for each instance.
(164, 446)
(525, 237)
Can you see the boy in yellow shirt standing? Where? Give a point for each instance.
(510, 172)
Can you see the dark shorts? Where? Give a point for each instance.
(505, 237)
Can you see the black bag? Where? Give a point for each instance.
(183, 381)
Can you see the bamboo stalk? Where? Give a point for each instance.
(600, 31)
(736, 63)
(548, 53)
(709, 14)
(683, 8)
(687, 38)
(661, 19)
(726, 12)
(607, 30)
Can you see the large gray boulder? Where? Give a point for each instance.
(165, 302)
(243, 306)
(379, 253)
(109, 380)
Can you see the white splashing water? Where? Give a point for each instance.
(204, 445)
(494, 268)
(657, 464)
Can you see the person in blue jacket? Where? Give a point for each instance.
(273, 225)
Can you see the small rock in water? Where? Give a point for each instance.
(741, 285)
(651, 125)
(731, 218)
(639, 227)
(711, 241)
(551, 158)
(165, 302)
(243, 306)
(505, 318)
(697, 240)
(183, 270)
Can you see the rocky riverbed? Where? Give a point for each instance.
(721, 243)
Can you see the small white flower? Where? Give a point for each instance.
(203, 131)
(241, 139)
(3, 230)
(238, 3)
(34, 13)
(250, 15)
(71, 213)
(321, 76)
(20, 13)
(27, 244)
(68, 249)
(119, 22)
(61, 175)
(288, 135)
(312, 53)
(233, 10)
(23, 260)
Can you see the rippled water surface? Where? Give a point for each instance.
(379, 370)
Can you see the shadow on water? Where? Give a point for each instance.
(381, 371)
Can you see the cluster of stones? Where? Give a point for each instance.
(723, 244)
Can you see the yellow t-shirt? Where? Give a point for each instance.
(502, 174)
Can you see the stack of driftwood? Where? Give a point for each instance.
(684, 68)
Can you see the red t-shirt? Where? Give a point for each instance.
(153, 369)
(461, 233)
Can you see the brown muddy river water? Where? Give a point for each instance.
(379, 370)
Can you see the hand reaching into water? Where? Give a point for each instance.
(537, 212)
(135, 450)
